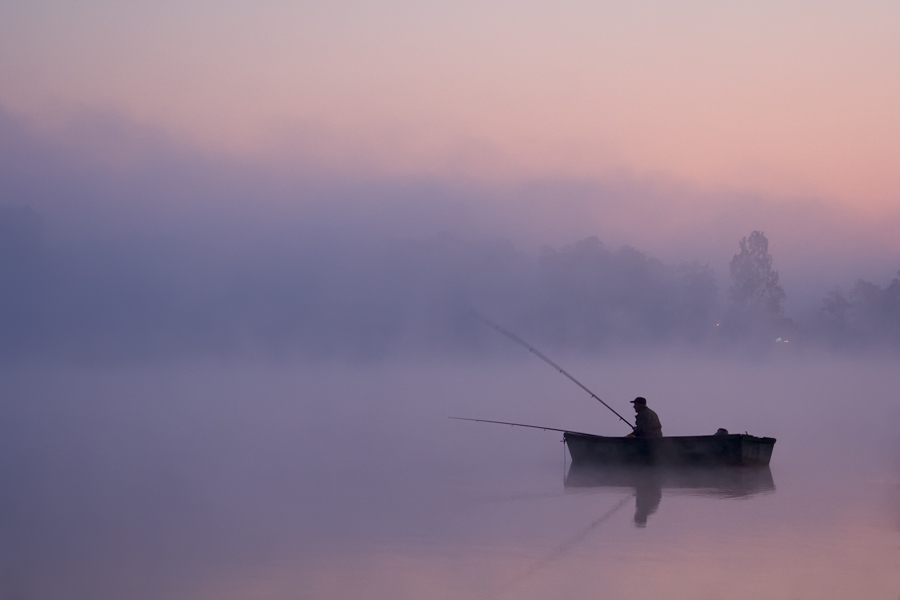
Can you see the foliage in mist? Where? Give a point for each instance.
(332, 296)
(591, 296)
(868, 314)
(754, 283)
(756, 310)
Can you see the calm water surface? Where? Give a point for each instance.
(221, 481)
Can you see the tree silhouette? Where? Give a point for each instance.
(754, 283)
(869, 314)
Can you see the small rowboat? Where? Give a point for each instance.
(721, 449)
(707, 450)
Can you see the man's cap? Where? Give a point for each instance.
(640, 400)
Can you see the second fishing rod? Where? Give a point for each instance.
(540, 355)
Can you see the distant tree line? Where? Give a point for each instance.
(867, 315)
(591, 297)
(329, 297)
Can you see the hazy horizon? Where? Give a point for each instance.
(225, 255)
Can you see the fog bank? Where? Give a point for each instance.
(117, 243)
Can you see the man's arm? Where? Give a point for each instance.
(640, 424)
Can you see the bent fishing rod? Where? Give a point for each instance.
(540, 355)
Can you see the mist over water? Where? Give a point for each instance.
(329, 294)
(222, 382)
(335, 480)
(119, 244)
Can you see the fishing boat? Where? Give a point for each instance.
(700, 450)
(722, 449)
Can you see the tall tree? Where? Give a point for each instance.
(754, 283)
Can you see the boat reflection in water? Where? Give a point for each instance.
(648, 482)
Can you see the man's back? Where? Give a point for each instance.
(646, 424)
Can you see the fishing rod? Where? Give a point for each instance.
(519, 425)
(540, 355)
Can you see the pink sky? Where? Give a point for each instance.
(789, 99)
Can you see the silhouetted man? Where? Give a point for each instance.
(646, 422)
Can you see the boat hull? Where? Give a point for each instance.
(718, 450)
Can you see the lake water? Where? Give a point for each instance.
(295, 480)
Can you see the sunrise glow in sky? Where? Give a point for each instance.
(796, 98)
